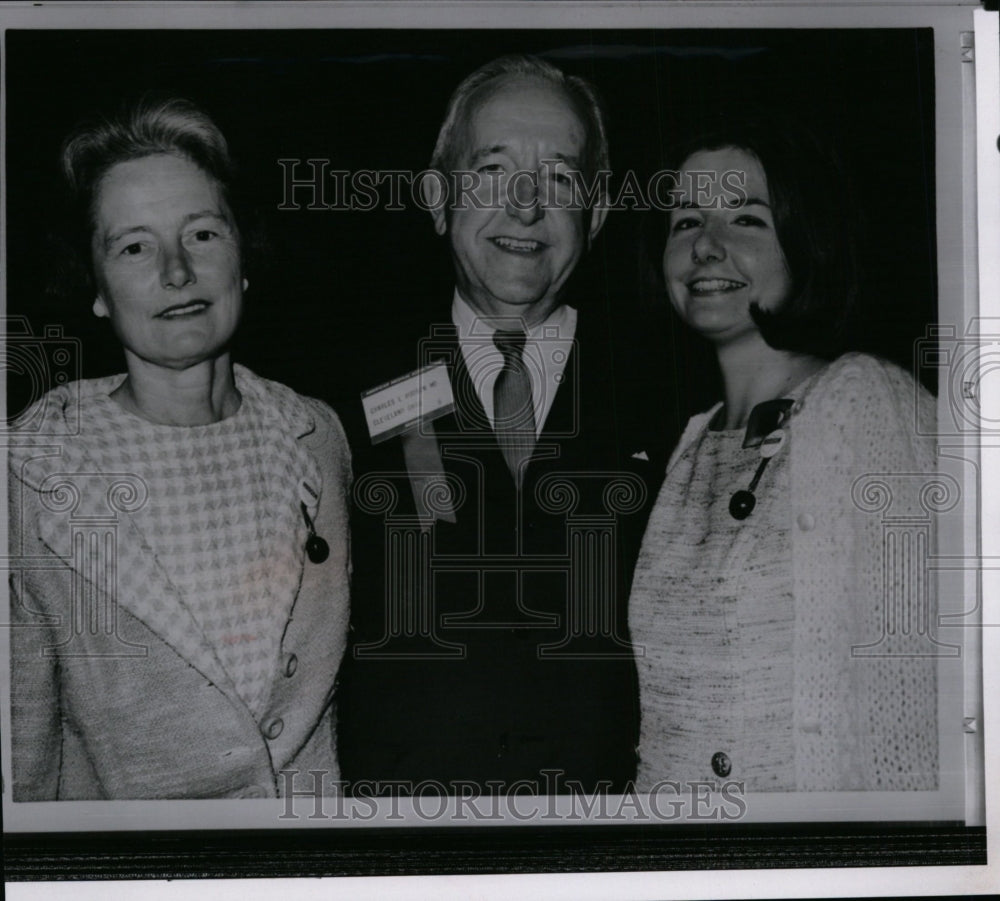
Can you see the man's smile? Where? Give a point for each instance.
(517, 245)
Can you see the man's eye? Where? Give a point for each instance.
(490, 169)
(131, 250)
(205, 234)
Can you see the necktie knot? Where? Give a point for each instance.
(510, 344)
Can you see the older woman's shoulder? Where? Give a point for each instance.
(62, 413)
(308, 417)
(62, 410)
(55, 431)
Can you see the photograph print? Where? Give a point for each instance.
(448, 427)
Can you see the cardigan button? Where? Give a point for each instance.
(807, 522)
(291, 665)
(721, 764)
(273, 728)
(811, 726)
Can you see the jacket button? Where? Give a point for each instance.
(721, 765)
(291, 665)
(272, 728)
(807, 522)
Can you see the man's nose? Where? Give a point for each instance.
(176, 269)
(522, 198)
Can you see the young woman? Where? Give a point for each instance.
(777, 643)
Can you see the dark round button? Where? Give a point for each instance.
(721, 765)
(741, 504)
(317, 549)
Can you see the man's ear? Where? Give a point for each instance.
(597, 216)
(434, 196)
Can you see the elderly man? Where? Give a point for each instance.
(497, 520)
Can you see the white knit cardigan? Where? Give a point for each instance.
(864, 697)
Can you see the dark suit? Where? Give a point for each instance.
(513, 657)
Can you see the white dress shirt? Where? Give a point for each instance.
(546, 350)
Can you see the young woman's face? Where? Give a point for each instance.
(720, 258)
(166, 257)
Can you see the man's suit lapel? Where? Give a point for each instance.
(470, 417)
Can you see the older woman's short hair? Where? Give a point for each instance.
(815, 219)
(582, 95)
(149, 126)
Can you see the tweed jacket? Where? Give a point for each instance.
(111, 697)
(864, 700)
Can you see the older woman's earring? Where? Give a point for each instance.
(100, 308)
(246, 283)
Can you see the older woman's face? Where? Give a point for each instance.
(721, 258)
(167, 261)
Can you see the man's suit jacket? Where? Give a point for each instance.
(496, 647)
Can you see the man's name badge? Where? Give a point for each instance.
(399, 405)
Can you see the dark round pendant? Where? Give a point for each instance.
(721, 764)
(741, 504)
(317, 549)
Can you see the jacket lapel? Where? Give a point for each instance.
(139, 583)
(125, 570)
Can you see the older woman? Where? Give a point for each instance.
(769, 648)
(178, 630)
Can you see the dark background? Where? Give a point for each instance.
(336, 281)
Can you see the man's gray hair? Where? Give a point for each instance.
(578, 90)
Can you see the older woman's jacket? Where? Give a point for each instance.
(112, 697)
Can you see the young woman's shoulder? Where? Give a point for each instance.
(695, 426)
(870, 401)
(868, 381)
(867, 369)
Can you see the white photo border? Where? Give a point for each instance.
(960, 200)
